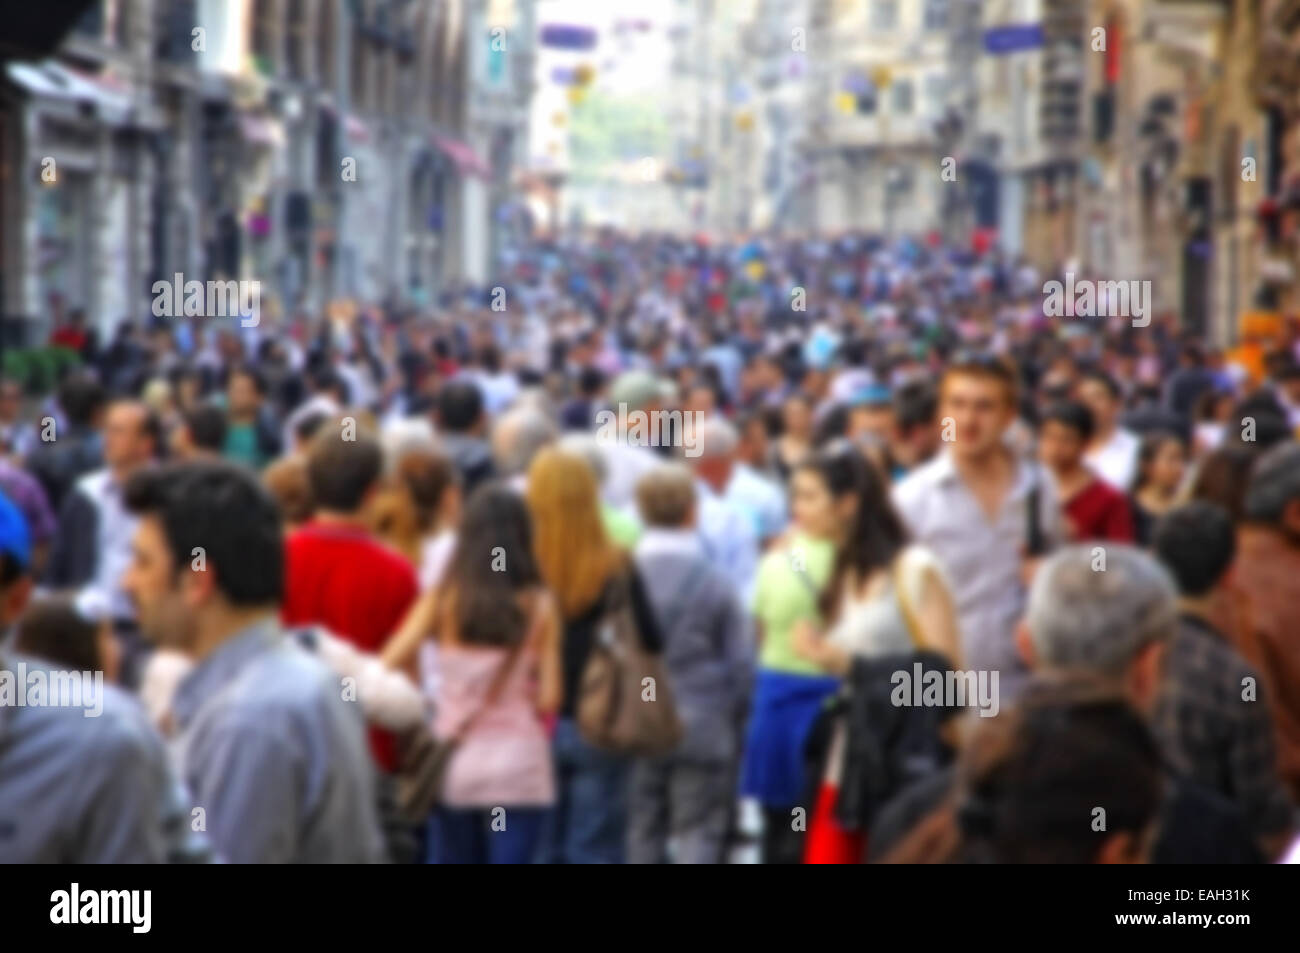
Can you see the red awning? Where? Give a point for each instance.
(467, 160)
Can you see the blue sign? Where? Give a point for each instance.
(1012, 38)
(562, 36)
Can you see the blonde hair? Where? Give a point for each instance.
(574, 553)
(666, 495)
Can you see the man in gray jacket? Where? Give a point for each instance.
(680, 804)
(274, 757)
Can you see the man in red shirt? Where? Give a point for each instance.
(336, 573)
(1094, 510)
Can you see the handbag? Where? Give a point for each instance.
(424, 758)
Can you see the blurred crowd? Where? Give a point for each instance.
(421, 585)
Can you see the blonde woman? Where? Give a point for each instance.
(578, 562)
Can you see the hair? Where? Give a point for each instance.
(253, 374)
(309, 426)
(1222, 478)
(574, 553)
(988, 367)
(876, 535)
(1274, 483)
(1072, 414)
(81, 397)
(665, 496)
(528, 430)
(1148, 450)
(343, 471)
(1196, 542)
(1270, 420)
(459, 405)
(493, 561)
(1085, 620)
(221, 509)
(916, 404)
(287, 482)
(1101, 377)
(206, 424)
(1027, 783)
(52, 629)
(426, 474)
(717, 438)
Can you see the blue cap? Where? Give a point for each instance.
(15, 540)
(872, 395)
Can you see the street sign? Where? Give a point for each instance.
(1013, 38)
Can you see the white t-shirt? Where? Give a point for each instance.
(1116, 461)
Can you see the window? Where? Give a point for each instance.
(936, 90)
(884, 15)
(935, 15)
(902, 96)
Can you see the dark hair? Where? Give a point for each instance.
(253, 374)
(11, 570)
(1223, 476)
(1270, 420)
(877, 534)
(590, 381)
(206, 424)
(916, 404)
(1028, 782)
(1072, 414)
(1101, 377)
(221, 509)
(1149, 449)
(52, 629)
(309, 426)
(1197, 543)
(427, 476)
(81, 397)
(460, 405)
(492, 562)
(342, 471)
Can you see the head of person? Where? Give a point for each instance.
(11, 400)
(15, 562)
(492, 563)
(574, 553)
(327, 382)
(979, 394)
(244, 392)
(132, 436)
(797, 417)
(459, 408)
(1273, 496)
(1028, 785)
(1196, 543)
(665, 497)
(838, 494)
(287, 481)
(207, 551)
(305, 431)
(916, 435)
(1106, 612)
(344, 466)
(1222, 478)
(1063, 436)
(1102, 395)
(1161, 463)
(752, 434)
(429, 478)
(52, 629)
(1288, 381)
(201, 432)
(82, 399)
(636, 390)
(715, 443)
(517, 437)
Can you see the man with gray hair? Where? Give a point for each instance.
(519, 435)
(1264, 579)
(726, 530)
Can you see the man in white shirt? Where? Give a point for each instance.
(1113, 451)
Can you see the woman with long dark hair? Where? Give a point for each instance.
(498, 661)
(1161, 466)
(885, 598)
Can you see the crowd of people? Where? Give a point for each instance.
(368, 586)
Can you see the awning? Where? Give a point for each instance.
(467, 160)
(56, 81)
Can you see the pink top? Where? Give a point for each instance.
(505, 759)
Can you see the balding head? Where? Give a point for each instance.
(518, 436)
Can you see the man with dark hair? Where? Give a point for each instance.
(83, 780)
(337, 574)
(1113, 450)
(462, 426)
(328, 396)
(70, 448)
(267, 745)
(1212, 718)
(93, 545)
(915, 438)
(201, 434)
(1094, 510)
(1268, 565)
